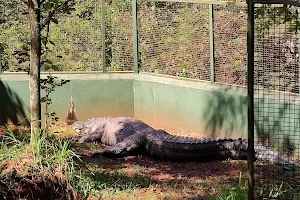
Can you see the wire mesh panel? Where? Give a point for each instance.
(277, 100)
(14, 36)
(119, 39)
(73, 40)
(230, 37)
(77, 38)
(174, 39)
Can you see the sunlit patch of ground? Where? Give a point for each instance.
(184, 133)
(14, 128)
(62, 130)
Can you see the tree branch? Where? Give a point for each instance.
(51, 13)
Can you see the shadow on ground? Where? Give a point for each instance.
(189, 180)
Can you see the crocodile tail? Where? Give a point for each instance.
(165, 146)
(263, 153)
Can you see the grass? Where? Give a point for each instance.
(46, 163)
(51, 163)
(237, 192)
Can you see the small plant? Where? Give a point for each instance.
(49, 85)
(238, 192)
(10, 146)
(275, 193)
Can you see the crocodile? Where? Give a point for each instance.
(127, 135)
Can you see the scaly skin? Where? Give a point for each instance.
(126, 135)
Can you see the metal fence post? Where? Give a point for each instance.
(212, 43)
(135, 36)
(103, 37)
(250, 82)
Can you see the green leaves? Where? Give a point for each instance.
(48, 5)
(54, 20)
(48, 85)
(270, 16)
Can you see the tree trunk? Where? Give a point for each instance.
(35, 64)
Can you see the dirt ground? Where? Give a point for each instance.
(141, 177)
(169, 180)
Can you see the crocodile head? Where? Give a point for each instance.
(78, 126)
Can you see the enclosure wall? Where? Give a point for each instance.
(162, 101)
(94, 95)
(210, 109)
(214, 110)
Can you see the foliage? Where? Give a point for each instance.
(77, 39)
(276, 191)
(45, 151)
(277, 15)
(76, 23)
(10, 147)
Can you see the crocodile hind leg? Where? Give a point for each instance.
(125, 147)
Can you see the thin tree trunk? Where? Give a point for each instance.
(35, 65)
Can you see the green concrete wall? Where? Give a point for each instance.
(94, 95)
(209, 109)
(217, 110)
(277, 120)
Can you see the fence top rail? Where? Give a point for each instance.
(231, 3)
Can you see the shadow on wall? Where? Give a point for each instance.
(226, 114)
(12, 109)
(276, 123)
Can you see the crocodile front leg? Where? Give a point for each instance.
(93, 137)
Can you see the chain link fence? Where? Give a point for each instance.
(174, 39)
(77, 42)
(120, 36)
(230, 36)
(74, 41)
(276, 99)
(14, 37)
